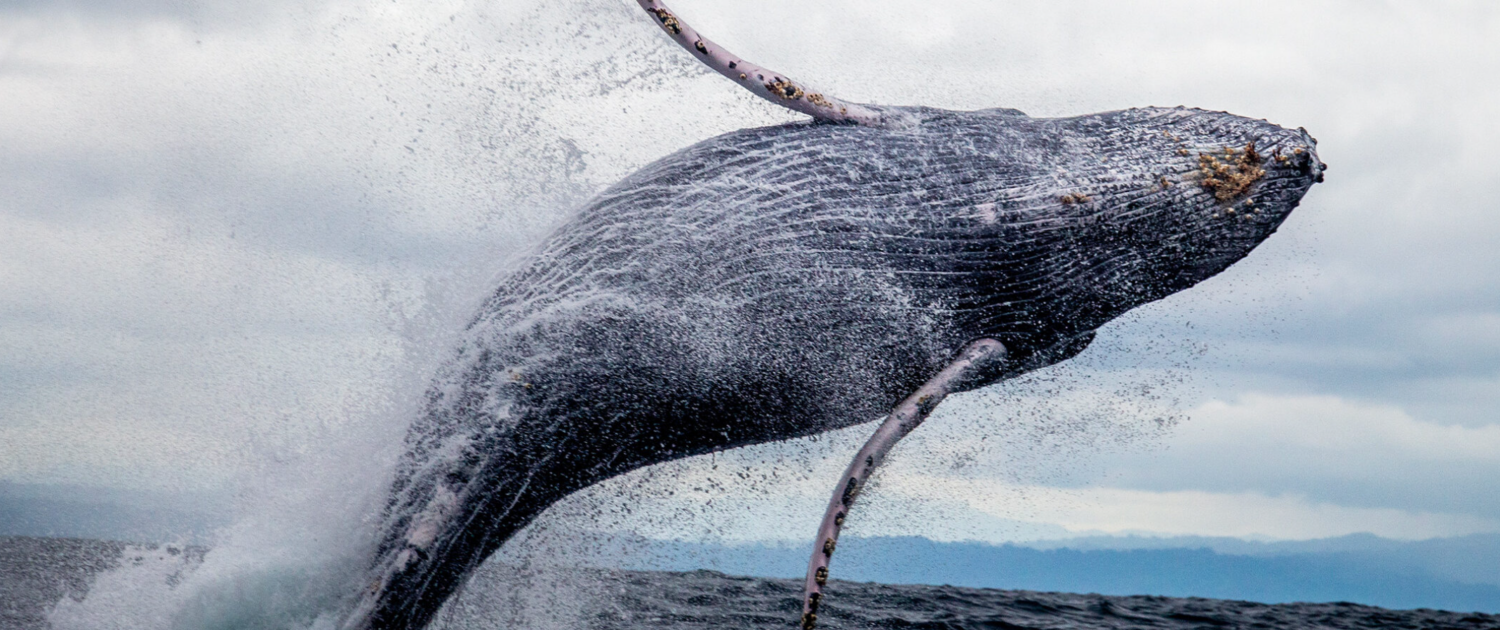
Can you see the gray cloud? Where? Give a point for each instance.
(1327, 449)
(224, 224)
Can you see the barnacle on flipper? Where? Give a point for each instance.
(1230, 178)
(785, 89)
(668, 20)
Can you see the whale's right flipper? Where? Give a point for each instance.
(980, 358)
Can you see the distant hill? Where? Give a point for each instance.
(1471, 559)
(1398, 576)
(59, 511)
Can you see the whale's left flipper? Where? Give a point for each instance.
(767, 84)
(985, 356)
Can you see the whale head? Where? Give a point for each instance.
(1114, 210)
(1243, 180)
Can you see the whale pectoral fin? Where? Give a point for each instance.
(978, 360)
(769, 85)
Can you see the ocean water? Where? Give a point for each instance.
(38, 575)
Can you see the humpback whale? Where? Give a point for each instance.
(784, 281)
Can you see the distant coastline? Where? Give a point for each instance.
(1445, 574)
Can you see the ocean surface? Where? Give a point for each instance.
(36, 573)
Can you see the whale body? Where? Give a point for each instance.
(784, 281)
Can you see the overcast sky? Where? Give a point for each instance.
(235, 238)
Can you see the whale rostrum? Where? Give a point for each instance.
(785, 281)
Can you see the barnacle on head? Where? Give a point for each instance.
(1231, 177)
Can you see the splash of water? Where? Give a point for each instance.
(485, 128)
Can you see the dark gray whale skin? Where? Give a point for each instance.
(784, 281)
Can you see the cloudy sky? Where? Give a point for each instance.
(234, 239)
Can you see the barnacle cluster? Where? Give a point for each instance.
(668, 20)
(785, 89)
(1232, 176)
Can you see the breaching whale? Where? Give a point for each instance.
(784, 281)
